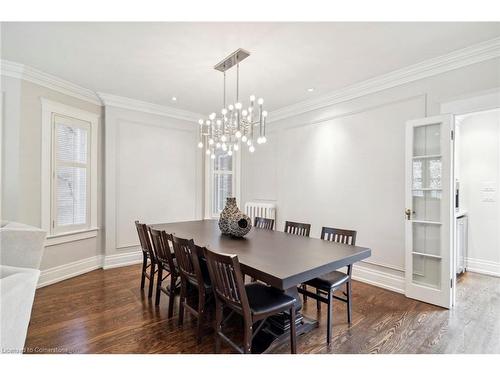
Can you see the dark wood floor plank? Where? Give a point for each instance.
(106, 312)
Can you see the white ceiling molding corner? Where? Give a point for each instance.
(155, 109)
(27, 73)
(483, 51)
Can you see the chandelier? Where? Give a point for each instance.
(236, 125)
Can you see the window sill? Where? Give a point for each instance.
(56, 239)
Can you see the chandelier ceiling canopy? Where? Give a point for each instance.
(235, 125)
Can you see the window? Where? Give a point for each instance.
(222, 180)
(71, 177)
(69, 172)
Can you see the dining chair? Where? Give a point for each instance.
(192, 276)
(255, 302)
(327, 284)
(166, 262)
(300, 229)
(263, 223)
(148, 257)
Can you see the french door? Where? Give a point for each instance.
(429, 210)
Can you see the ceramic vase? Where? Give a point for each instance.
(233, 221)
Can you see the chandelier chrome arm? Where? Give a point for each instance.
(234, 126)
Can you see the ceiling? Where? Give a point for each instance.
(155, 61)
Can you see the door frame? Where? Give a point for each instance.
(473, 103)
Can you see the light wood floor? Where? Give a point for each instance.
(106, 312)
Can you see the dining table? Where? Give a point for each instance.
(279, 259)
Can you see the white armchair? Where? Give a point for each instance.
(21, 249)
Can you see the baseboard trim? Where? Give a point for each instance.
(484, 267)
(362, 273)
(378, 278)
(121, 260)
(69, 270)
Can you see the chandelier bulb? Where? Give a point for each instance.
(252, 98)
(249, 118)
(244, 112)
(237, 134)
(230, 107)
(217, 145)
(223, 111)
(223, 138)
(207, 122)
(224, 147)
(212, 116)
(212, 156)
(230, 153)
(251, 149)
(237, 105)
(244, 138)
(236, 147)
(210, 141)
(200, 121)
(200, 144)
(249, 143)
(260, 101)
(207, 152)
(264, 113)
(264, 139)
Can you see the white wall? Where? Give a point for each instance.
(479, 168)
(153, 174)
(21, 167)
(343, 165)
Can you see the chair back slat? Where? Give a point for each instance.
(344, 236)
(160, 240)
(264, 223)
(227, 279)
(300, 229)
(188, 260)
(144, 240)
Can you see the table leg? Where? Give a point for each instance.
(277, 327)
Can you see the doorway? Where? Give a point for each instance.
(477, 210)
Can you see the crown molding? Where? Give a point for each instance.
(476, 53)
(140, 106)
(27, 73)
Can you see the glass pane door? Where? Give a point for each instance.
(426, 190)
(428, 210)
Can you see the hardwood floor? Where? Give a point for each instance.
(105, 312)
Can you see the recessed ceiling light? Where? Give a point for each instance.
(311, 89)
(174, 99)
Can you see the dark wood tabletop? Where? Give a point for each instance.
(280, 259)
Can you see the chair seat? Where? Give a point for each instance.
(329, 281)
(265, 299)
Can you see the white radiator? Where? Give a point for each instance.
(260, 209)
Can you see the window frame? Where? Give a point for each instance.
(209, 182)
(55, 229)
(55, 235)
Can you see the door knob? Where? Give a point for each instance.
(408, 214)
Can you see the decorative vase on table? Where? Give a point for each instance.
(233, 221)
